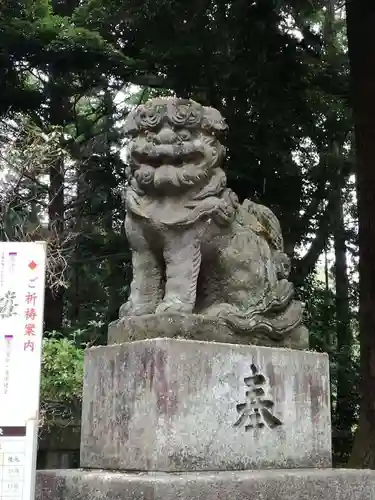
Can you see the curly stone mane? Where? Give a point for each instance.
(174, 143)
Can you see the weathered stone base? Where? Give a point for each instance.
(196, 327)
(182, 405)
(303, 484)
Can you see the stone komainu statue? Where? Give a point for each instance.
(195, 249)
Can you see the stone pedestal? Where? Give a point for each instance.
(179, 405)
(324, 484)
(184, 416)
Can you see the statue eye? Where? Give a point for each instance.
(184, 135)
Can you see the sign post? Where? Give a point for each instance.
(22, 282)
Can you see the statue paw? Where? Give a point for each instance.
(131, 309)
(173, 306)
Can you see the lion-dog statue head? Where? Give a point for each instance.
(175, 158)
(175, 145)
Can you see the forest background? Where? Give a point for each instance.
(279, 70)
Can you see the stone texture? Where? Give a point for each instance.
(247, 485)
(196, 327)
(171, 405)
(195, 249)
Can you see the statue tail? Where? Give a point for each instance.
(257, 321)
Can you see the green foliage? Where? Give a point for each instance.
(62, 377)
(320, 315)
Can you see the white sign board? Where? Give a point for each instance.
(22, 278)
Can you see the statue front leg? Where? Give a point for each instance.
(182, 255)
(146, 288)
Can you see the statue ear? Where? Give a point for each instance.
(213, 121)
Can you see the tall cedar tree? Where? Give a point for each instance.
(361, 39)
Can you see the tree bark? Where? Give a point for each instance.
(59, 114)
(345, 399)
(361, 38)
(54, 298)
(305, 266)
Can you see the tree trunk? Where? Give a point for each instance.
(345, 399)
(54, 298)
(79, 229)
(361, 38)
(59, 114)
(112, 262)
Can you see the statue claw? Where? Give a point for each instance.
(130, 309)
(174, 306)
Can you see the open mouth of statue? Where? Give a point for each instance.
(163, 159)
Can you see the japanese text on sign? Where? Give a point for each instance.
(22, 269)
